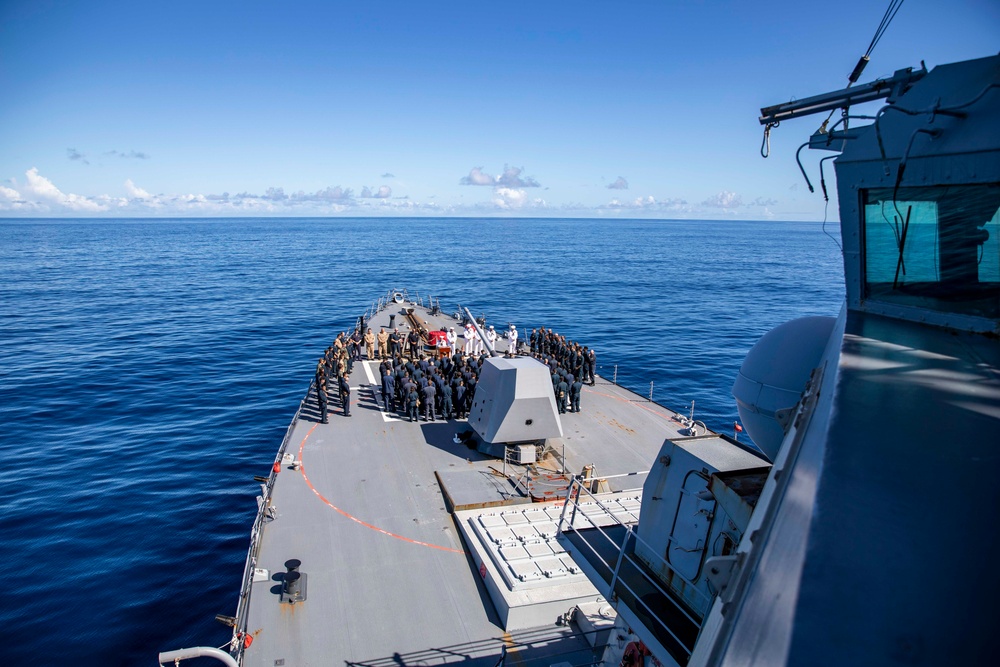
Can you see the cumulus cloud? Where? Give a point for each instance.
(76, 156)
(725, 199)
(330, 194)
(509, 198)
(506, 199)
(648, 203)
(510, 178)
(11, 199)
(388, 175)
(38, 187)
(620, 184)
(135, 192)
(383, 192)
(760, 201)
(477, 177)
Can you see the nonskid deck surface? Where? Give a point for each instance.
(388, 577)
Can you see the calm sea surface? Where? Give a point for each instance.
(149, 368)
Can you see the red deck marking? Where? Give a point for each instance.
(353, 518)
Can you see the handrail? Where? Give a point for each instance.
(196, 652)
(573, 507)
(637, 537)
(240, 624)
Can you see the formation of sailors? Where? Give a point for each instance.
(572, 365)
(443, 387)
(440, 388)
(333, 370)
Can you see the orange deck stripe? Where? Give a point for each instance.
(353, 518)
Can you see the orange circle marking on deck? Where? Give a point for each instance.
(355, 519)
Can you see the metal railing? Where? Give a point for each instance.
(617, 582)
(236, 645)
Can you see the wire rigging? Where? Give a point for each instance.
(890, 14)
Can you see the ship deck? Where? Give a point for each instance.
(388, 577)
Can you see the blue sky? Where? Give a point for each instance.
(569, 109)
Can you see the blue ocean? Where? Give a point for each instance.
(149, 368)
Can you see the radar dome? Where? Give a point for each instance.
(773, 376)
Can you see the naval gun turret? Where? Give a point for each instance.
(513, 403)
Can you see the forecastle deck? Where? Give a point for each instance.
(388, 578)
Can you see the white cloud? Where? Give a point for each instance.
(507, 199)
(38, 186)
(620, 184)
(477, 177)
(135, 192)
(510, 178)
(383, 192)
(649, 203)
(725, 199)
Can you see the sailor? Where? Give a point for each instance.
(406, 385)
(356, 345)
(321, 389)
(446, 404)
(460, 399)
(388, 392)
(345, 394)
(429, 392)
(575, 390)
(452, 338)
(512, 341)
(383, 343)
(470, 338)
(395, 342)
(591, 364)
(443, 346)
(491, 338)
(562, 389)
(370, 344)
(412, 398)
(413, 342)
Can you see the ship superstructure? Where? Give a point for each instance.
(861, 542)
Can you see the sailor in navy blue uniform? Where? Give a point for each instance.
(345, 394)
(388, 392)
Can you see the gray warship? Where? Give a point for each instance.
(857, 529)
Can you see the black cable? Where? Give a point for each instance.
(803, 169)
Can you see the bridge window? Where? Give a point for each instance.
(934, 247)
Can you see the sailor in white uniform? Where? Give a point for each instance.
(452, 337)
(470, 339)
(512, 341)
(491, 338)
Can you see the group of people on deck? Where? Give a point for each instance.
(442, 386)
(334, 370)
(572, 366)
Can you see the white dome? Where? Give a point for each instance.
(773, 376)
